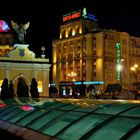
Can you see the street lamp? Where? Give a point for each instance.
(72, 75)
(134, 69)
(123, 72)
(43, 50)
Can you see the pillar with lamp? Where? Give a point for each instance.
(72, 77)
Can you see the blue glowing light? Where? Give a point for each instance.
(4, 26)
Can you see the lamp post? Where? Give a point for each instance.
(43, 50)
(72, 76)
(123, 72)
(134, 70)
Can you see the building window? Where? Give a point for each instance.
(71, 42)
(64, 50)
(78, 41)
(133, 42)
(94, 74)
(77, 63)
(71, 49)
(137, 52)
(94, 52)
(70, 56)
(78, 48)
(133, 52)
(106, 66)
(39, 86)
(84, 74)
(84, 44)
(105, 36)
(124, 42)
(58, 49)
(84, 54)
(124, 51)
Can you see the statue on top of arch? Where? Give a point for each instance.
(20, 30)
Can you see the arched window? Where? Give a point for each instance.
(63, 34)
(77, 31)
(70, 32)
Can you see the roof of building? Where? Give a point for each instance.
(71, 119)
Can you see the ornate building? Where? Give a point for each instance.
(19, 62)
(86, 54)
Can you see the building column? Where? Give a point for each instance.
(7, 71)
(45, 81)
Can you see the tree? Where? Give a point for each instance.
(33, 89)
(4, 89)
(11, 93)
(113, 88)
(91, 91)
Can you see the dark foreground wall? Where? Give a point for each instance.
(5, 135)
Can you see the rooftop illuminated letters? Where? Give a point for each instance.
(72, 15)
(76, 14)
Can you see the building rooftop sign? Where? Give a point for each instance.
(4, 26)
(78, 14)
(73, 15)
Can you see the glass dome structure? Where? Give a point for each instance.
(74, 119)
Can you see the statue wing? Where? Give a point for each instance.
(14, 25)
(25, 26)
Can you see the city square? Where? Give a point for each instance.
(84, 85)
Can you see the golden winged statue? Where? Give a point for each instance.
(20, 30)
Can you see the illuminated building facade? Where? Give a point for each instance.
(19, 62)
(96, 56)
(6, 38)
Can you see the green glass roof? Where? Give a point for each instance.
(74, 119)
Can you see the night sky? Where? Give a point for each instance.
(45, 18)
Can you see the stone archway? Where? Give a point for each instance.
(15, 82)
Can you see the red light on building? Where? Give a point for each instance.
(76, 15)
(65, 18)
